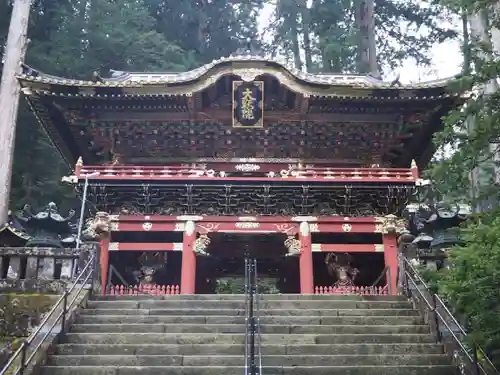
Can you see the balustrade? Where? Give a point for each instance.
(275, 172)
(360, 290)
(152, 289)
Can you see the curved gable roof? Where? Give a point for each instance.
(247, 67)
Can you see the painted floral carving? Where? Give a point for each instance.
(201, 244)
(293, 246)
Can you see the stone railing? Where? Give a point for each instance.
(44, 270)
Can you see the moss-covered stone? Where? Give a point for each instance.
(19, 313)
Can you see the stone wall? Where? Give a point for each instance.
(40, 270)
(19, 315)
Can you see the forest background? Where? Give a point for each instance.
(76, 38)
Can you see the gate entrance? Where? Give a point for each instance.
(223, 272)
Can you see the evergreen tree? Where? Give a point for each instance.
(327, 31)
(468, 170)
(74, 38)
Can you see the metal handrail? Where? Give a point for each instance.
(257, 317)
(22, 352)
(247, 312)
(253, 361)
(411, 275)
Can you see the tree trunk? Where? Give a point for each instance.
(479, 35)
(295, 40)
(467, 66)
(306, 20)
(365, 23)
(495, 32)
(9, 97)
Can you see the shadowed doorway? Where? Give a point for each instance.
(223, 272)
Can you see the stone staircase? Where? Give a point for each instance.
(204, 335)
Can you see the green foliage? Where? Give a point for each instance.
(209, 30)
(473, 283)
(469, 144)
(404, 29)
(409, 29)
(38, 167)
(467, 170)
(75, 38)
(334, 28)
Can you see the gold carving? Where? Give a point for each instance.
(97, 227)
(390, 224)
(201, 244)
(247, 225)
(247, 105)
(346, 227)
(314, 227)
(113, 246)
(293, 246)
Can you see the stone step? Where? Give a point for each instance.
(266, 304)
(267, 349)
(264, 312)
(238, 360)
(240, 328)
(210, 319)
(207, 338)
(204, 335)
(241, 297)
(229, 370)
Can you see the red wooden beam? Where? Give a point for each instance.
(344, 227)
(343, 179)
(230, 219)
(248, 227)
(344, 175)
(145, 246)
(348, 248)
(147, 226)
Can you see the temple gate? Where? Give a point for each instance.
(181, 164)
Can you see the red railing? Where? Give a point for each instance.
(308, 174)
(360, 290)
(157, 290)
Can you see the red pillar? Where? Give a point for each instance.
(188, 269)
(306, 260)
(391, 261)
(104, 263)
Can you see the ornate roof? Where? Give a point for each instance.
(14, 227)
(320, 78)
(142, 116)
(45, 228)
(246, 67)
